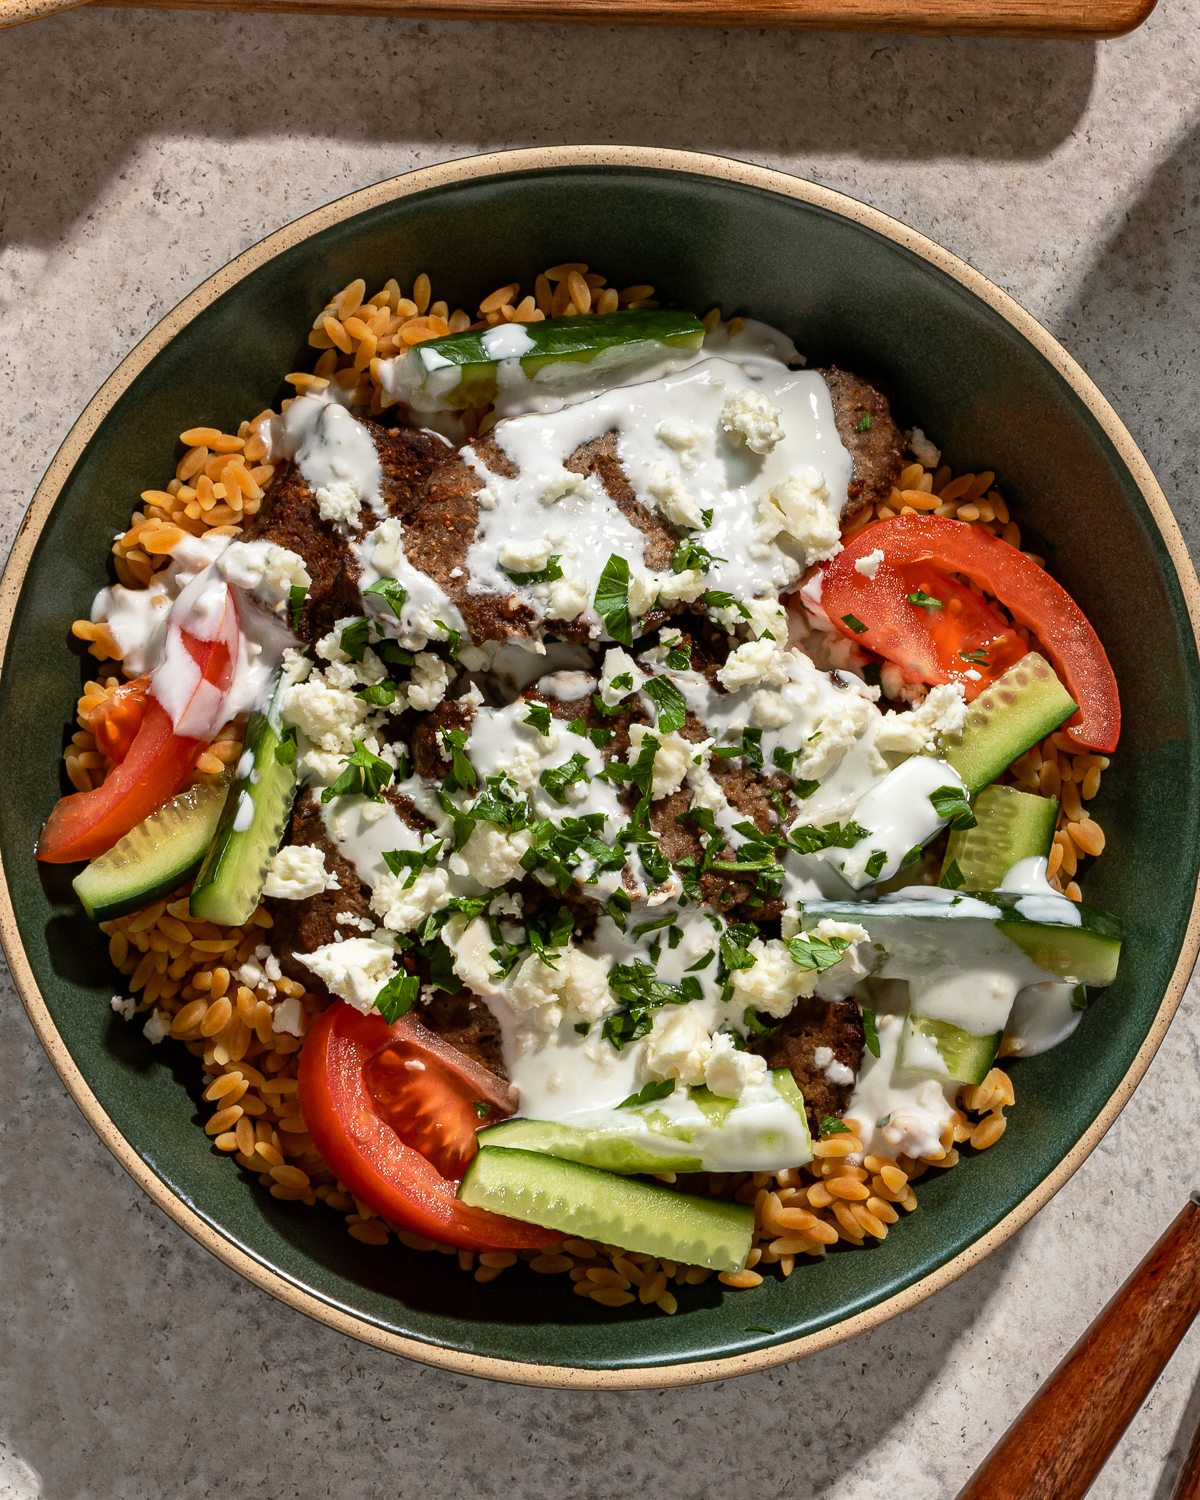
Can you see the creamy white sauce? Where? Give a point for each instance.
(584, 527)
(677, 451)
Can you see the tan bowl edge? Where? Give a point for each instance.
(562, 1376)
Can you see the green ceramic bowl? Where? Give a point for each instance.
(852, 287)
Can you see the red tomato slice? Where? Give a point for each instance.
(156, 766)
(116, 721)
(392, 1109)
(928, 642)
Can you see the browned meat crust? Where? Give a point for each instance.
(466, 1023)
(599, 457)
(302, 926)
(429, 755)
(289, 518)
(440, 520)
(875, 450)
(816, 1023)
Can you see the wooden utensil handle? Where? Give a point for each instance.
(1060, 1442)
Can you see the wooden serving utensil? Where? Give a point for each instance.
(1061, 1441)
(17, 12)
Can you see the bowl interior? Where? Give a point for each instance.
(848, 295)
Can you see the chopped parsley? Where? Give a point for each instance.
(875, 864)
(670, 702)
(463, 772)
(557, 779)
(392, 594)
(548, 574)
(600, 737)
(809, 840)
(950, 802)
(285, 751)
(365, 775)
(355, 639)
(297, 594)
(816, 954)
(911, 857)
(549, 932)
(722, 599)
(855, 624)
(412, 860)
(864, 425)
(691, 555)
(831, 1125)
(481, 1109)
(538, 718)
(381, 694)
(924, 601)
(756, 1027)
(396, 997)
(393, 655)
(1079, 997)
(679, 657)
(979, 657)
(453, 637)
(953, 878)
(612, 600)
(643, 992)
(648, 1094)
(871, 1034)
(625, 681)
(579, 727)
(701, 963)
(501, 803)
(751, 747)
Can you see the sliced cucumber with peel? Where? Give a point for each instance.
(945, 1051)
(156, 857)
(460, 369)
(972, 936)
(587, 1203)
(1018, 710)
(253, 822)
(1082, 953)
(1010, 826)
(760, 1136)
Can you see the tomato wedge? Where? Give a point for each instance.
(965, 636)
(116, 721)
(393, 1111)
(159, 760)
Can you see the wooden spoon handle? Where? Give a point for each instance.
(1062, 1439)
(1187, 1483)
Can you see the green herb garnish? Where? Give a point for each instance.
(870, 1033)
(557, 779)
(953, 878)
(924, 601)
(462, 772)
(365, 775)
(612, 600)
(670, 702)
(392, 594)
(855, 624)
(950, 802)
(648, 1094)
(548, 574)
(396, 997)
(538, 718)
(831, 1125)
(297, 594)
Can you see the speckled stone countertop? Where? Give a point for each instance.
(139, 151)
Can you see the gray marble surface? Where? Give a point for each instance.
(139, 151)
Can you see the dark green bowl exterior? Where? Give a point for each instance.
(847, 295)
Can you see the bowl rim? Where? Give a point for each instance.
(512, 163)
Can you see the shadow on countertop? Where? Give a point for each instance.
(145, 79)
(1134, 325)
